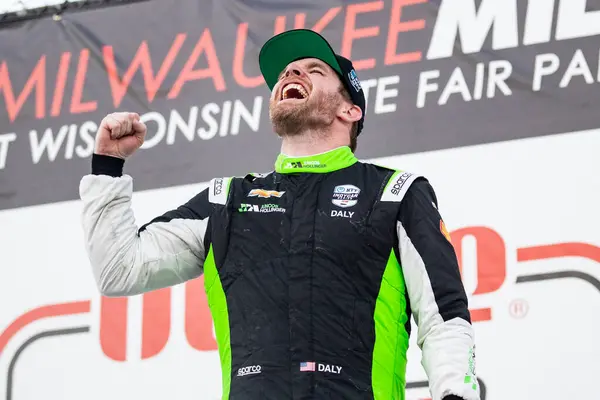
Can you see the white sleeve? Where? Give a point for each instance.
(447, 344)
(127, 260)
(437, 298)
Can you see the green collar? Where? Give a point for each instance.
(339, 158)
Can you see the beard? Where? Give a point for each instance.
(315, 114)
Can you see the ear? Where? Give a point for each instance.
(350, 113)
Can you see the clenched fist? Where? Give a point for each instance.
(120, 135)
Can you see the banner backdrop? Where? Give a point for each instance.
(438, 74)
(494, 101)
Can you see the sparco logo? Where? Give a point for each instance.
(218, 186)
(250, 370)
(400, 182)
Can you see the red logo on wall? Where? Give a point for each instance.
(156, 322)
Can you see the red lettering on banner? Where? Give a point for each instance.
(142, 61)
(205, 45)
(491, 256)
(351, 32)
(76, 105)
(397, 26)
(156, 322)
(326, 19)
(238, 60)
(37, 81)
(40, 313)
(61, 81)
(279, 25)
(113, 327)
(558, 250)
(480, 314)
(281, 21)
(198, 321)
(300, 21)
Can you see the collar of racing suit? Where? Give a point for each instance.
(332, 160)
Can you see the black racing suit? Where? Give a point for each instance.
(312, 273)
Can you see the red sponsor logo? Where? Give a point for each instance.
(490, 262)
(156, 322)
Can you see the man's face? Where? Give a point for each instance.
(307, 96)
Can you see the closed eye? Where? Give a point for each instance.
(317, 71)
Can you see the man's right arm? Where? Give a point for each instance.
(127, 260)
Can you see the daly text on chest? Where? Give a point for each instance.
(334, 369)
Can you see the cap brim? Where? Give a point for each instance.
(290, 46)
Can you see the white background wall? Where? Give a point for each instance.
(532, 192)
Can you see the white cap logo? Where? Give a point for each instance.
(354, 80)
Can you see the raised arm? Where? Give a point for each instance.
(437, 296)
(127, 259)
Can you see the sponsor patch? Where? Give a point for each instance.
(249, 370)
(398, 185)
(265, 208)
(333, 369)
(307, 366)
(342, 213)
(400, 182)
(218, 188)
(311, 366)
(354, 80)
(345, 196)
(265, 193)
(248, 208)
(313, 164)
(444, 231)
(470, 377)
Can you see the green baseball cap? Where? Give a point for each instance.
(296, 44)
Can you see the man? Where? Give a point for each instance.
(311, 271)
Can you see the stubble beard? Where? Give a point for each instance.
(314, 115)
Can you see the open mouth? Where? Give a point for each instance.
(293, 91)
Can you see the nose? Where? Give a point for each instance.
(293, 70)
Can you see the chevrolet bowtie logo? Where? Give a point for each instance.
(264, 193)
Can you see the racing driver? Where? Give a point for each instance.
(312, 271)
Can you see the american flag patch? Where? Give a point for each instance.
(307, 366)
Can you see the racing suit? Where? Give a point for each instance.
(312, 273)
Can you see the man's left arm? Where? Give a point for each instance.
(437, 296)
